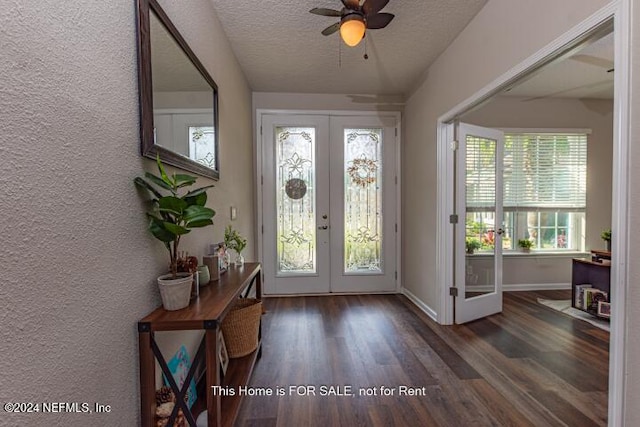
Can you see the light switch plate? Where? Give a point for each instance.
(233, 213)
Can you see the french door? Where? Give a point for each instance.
(328, 203)
(479, 232)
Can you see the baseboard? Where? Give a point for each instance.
(421, 305)
(537, 287)
(522, 287)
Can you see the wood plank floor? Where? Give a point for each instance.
(529, 366)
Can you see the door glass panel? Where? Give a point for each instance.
(363, 201)
(202, 145)
(481, 221)
(296, 200)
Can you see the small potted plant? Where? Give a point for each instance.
(606, 236)
(525, 245)
(172, 216)
(472, 244)
(233, 240)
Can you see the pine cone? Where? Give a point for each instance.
(164, 395)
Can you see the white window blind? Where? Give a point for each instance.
(480, 174)
(545, 171)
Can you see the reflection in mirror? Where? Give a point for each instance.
(182, 100)
(178, 97)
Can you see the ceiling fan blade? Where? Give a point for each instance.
(331, 29)
(325, 12)
(371, 7)
(593, 60)
(379, 20)
(351, 4)
(596, 85)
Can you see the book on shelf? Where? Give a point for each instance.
(592, 297)
(579, 295)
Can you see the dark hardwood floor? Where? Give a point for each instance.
(529, 366)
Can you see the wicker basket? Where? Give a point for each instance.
(240, 327)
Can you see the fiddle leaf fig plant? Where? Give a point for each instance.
(174, 215)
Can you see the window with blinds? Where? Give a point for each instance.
(545, 171)
(544, 189)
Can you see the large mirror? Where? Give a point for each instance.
(178, 97)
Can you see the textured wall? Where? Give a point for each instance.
(79, 265)
(454, 77)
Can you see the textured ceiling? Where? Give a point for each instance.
(280, 48)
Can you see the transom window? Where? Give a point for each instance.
(544, 179)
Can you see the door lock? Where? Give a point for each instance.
(323, 227)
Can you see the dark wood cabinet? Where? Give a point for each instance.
(597, 274)
(204, 313)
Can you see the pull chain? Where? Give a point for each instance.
(366, 56)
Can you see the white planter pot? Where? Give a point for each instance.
(175, 293)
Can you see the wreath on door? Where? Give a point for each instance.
(363, 171)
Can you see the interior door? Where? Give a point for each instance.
(478, 260)
(296, 204)
(329, 204)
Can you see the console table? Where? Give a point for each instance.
(204, 313)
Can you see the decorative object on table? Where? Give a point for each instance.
(171, 217)
(204, 275)
(179, 366)
(604, 309)
(233, 240)
(211, 261)
(222, 354)
(472, 244)
(223, 257)
(241, 326)
(189, 264)
(525, 245)
(606, 236)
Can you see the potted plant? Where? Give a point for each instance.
(172, 216)
(525, 244)
(472, 244)
(233, 240)
(606, 236)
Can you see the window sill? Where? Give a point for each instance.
(535, 254)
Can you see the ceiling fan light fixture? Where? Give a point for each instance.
(352, 29)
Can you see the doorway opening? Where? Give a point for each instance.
(567, 45)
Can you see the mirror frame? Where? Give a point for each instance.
(148, 148)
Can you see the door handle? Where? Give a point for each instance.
(323, 227)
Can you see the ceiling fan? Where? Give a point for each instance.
(355, 19)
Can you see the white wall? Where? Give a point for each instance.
(524, 28)
(79, 265)
(556, 113)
